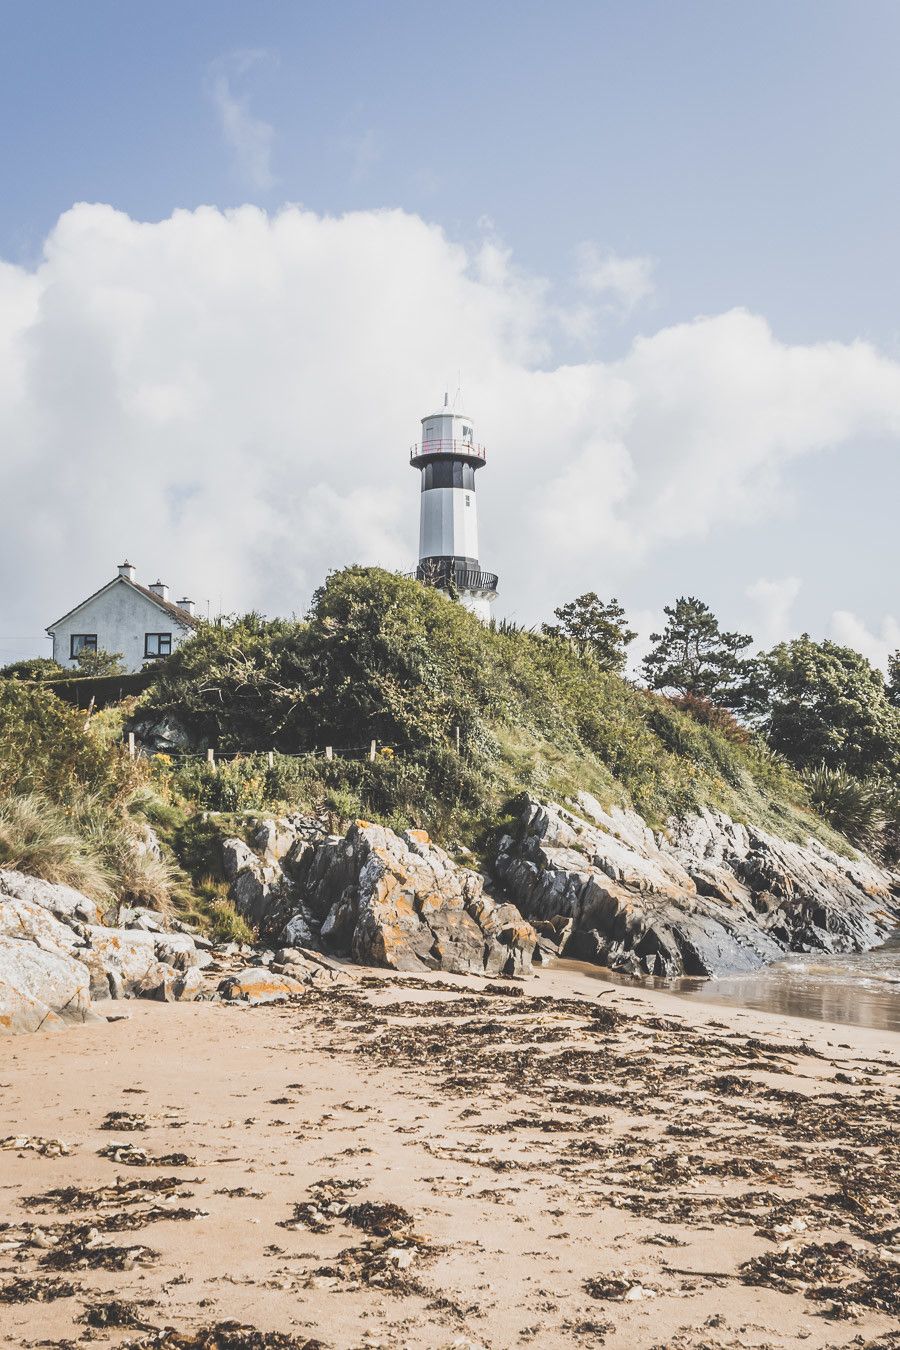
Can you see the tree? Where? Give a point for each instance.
(99, 662)
(693, 656)
(822, 704)
(594, 627)
(893, 680)
(33, 668)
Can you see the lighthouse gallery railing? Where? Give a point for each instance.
(440, 572)
(448, 448)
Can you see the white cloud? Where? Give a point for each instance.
(622, 282)
(773, 602)
(229, 398)
(851, 631)
(248, 137)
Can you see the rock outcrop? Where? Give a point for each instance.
(56, 956)
(706, 897)
(376, 896)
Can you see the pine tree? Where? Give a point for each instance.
(693, 656)
(596, 627)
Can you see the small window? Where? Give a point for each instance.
(467, 434)
(157, 644)
(82, 642)
(468, 500)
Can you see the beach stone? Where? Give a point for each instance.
(258, 984)
(181, 951)
(158, 982)
(23, 917)
(62, 901)
(188, 985)
(117, 958)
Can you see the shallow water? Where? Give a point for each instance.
(862, 989)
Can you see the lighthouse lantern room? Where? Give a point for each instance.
(448, 458)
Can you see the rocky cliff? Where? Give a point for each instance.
(381, 898)
(56, 956)
(707, 896)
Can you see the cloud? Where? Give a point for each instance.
(248, 137)
(620, 282)
(773, 602)
(229, 399)
(851, 631)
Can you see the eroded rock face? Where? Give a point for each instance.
(381, 898)
(708, 897)
(56, 956)
(264, 878)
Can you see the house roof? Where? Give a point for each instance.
(174, 611)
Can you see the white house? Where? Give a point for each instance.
(141, 622)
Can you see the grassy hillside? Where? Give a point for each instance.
(380, 657)
(384, 658)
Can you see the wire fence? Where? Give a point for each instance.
(371, 751)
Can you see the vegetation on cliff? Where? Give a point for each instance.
(465, 718)
(383, 658)
(70, 799)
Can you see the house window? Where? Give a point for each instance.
(157, 644)
(82, 642)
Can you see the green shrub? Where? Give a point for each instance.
(382, 657)
(850, 805)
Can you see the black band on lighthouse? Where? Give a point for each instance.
(448, 473)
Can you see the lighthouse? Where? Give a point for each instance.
(448, 458)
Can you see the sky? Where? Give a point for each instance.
(244, 248)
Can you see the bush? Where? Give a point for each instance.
(847, 803)
(69, 794)
(38, 837)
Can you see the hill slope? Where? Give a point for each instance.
(384, 658)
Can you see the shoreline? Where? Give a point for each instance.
(571, 1165)
(807, 986)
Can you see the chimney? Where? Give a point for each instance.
(161, 589)
(126, 570)
(187, 605)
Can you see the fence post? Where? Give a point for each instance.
(457, 739)
(329, 752)
(131, 751)
(211, 759)
(372, 751)
(271, 758)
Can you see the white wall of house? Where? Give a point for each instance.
(121, 617)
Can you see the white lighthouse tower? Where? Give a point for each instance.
(449, 457)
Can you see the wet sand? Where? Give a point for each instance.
(428, 1163)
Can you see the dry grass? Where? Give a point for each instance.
(42, 839)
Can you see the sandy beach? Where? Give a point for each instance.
(450, 1162)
